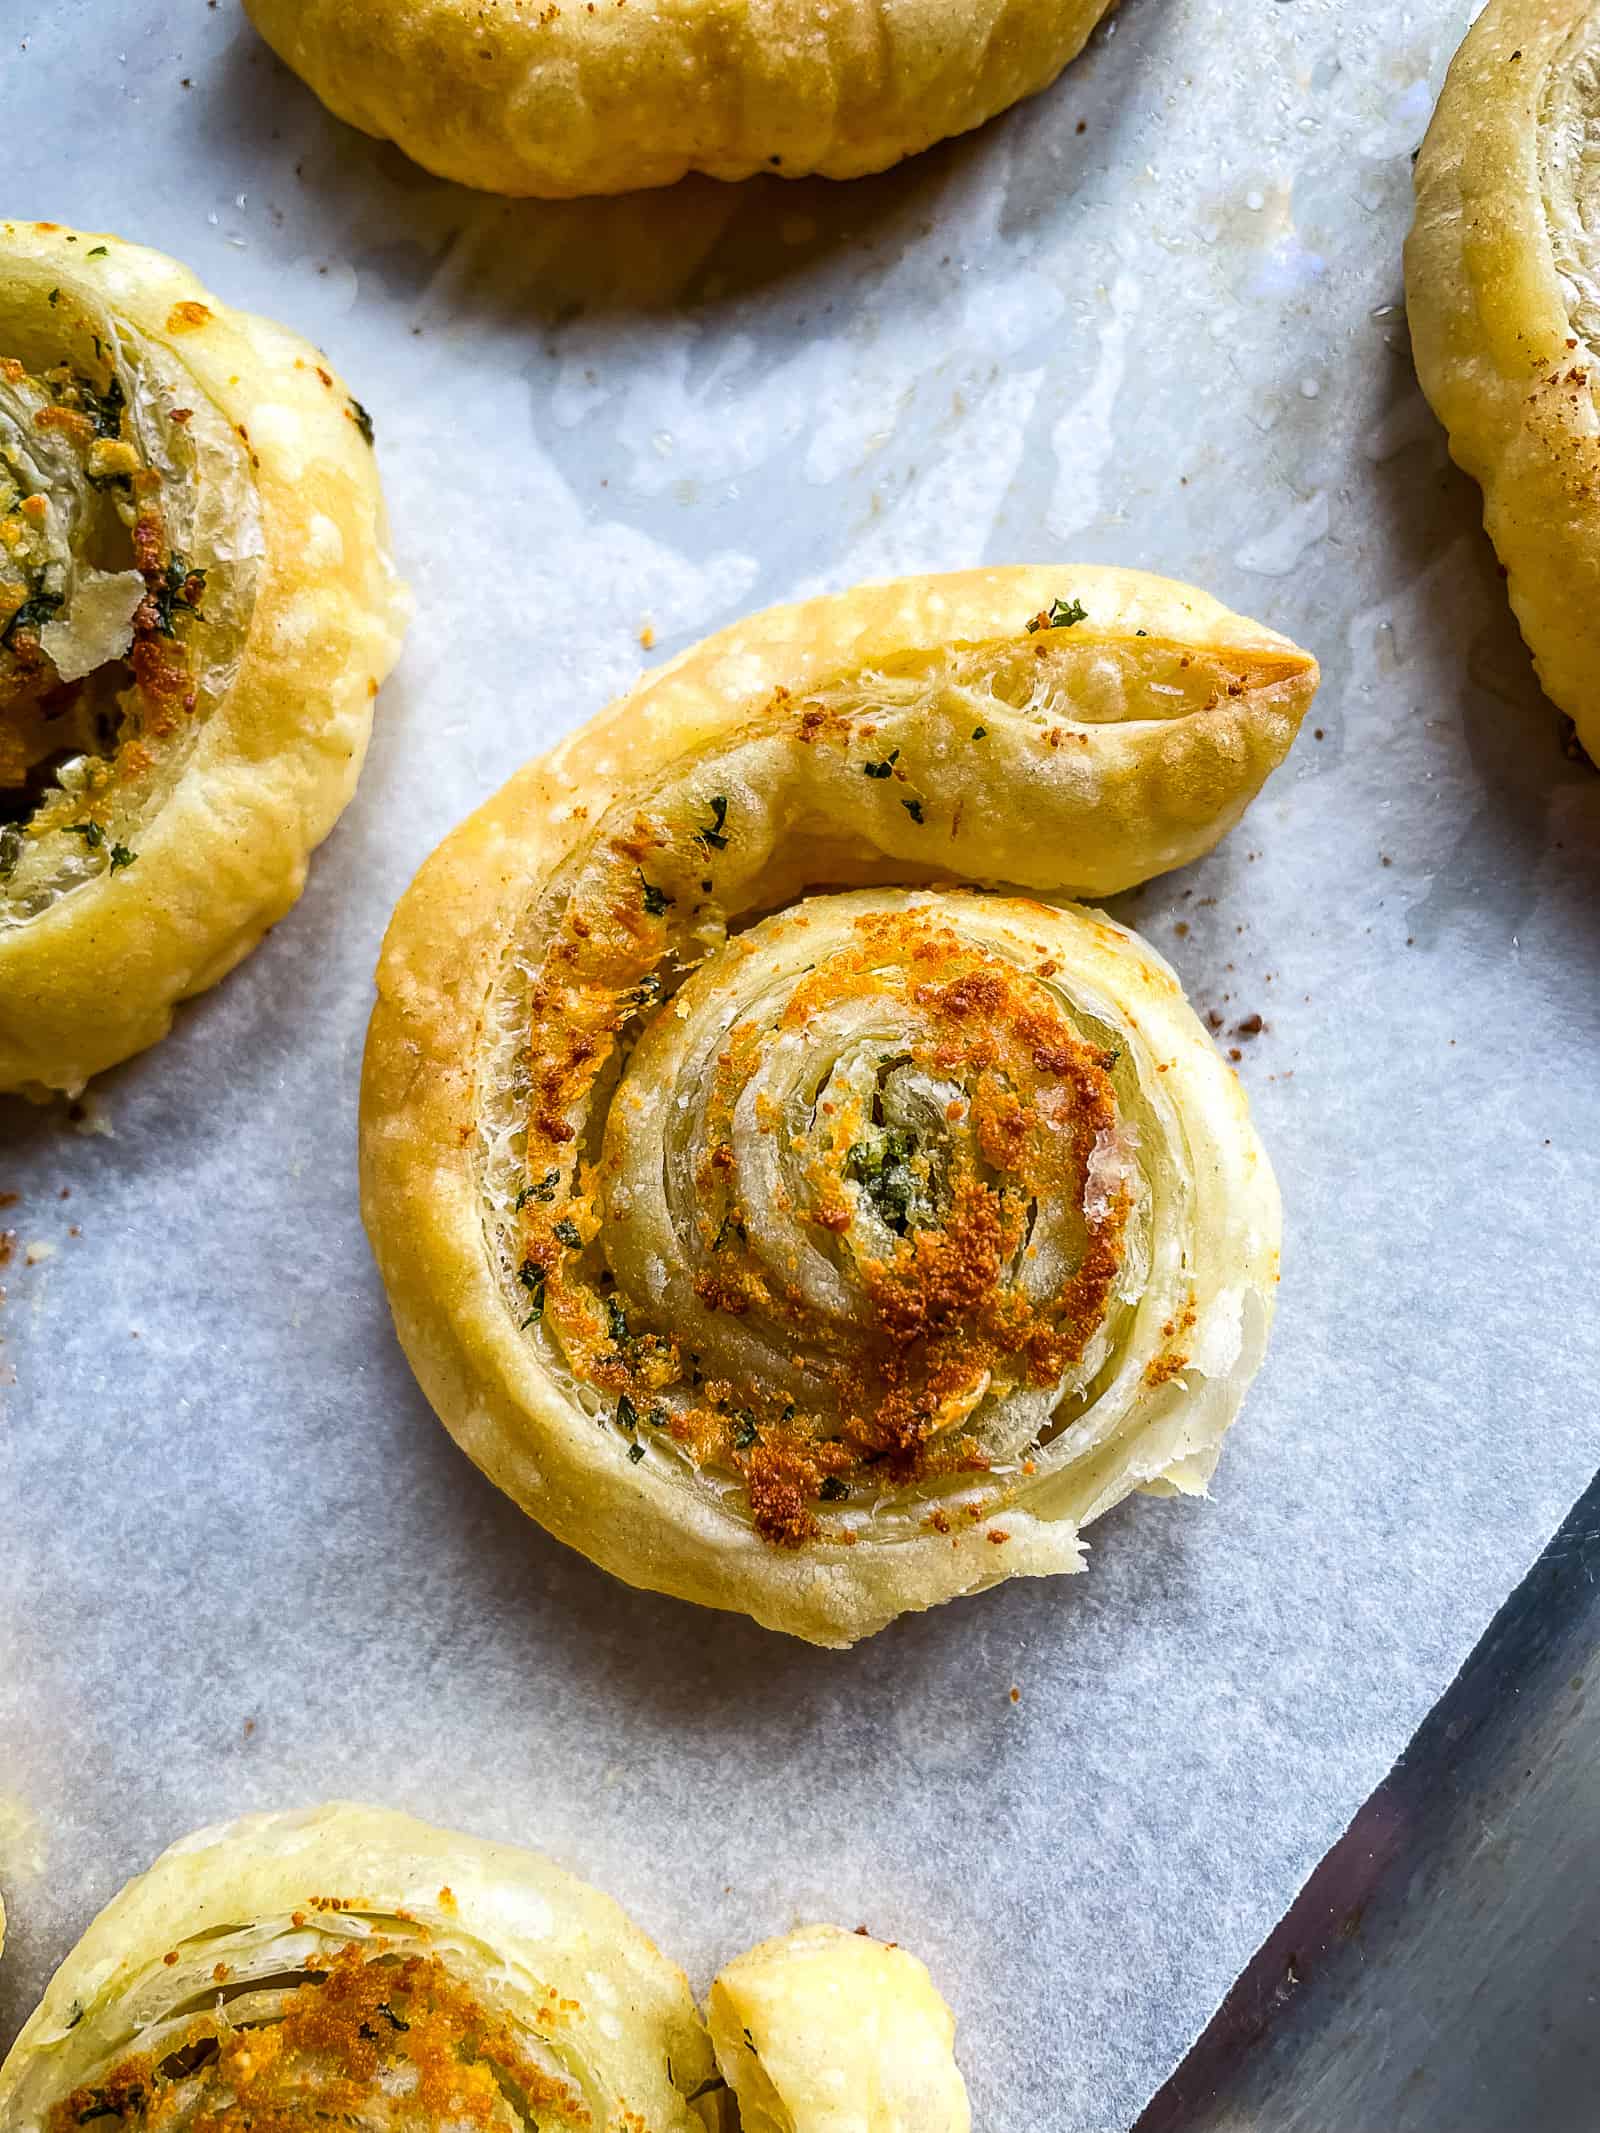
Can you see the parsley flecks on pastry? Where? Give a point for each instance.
(564, 99)
(1503, 290)
(782, 1194)
(825, 2031)
(196, 609)
(353, 1967)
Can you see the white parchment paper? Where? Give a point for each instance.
(1154, 317)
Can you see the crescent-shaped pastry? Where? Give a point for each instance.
(780, 1218)
(196, 609)
(825, 2031)
(570, 98)
(1503, 290)
(349, 1967)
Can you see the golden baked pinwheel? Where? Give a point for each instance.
(569, 98)
(196, 609)
(1503, 290)
(825, 2031)
(780, 1218)
(350, 1967)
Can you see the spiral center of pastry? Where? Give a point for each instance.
(858, 1208)
(124, 589)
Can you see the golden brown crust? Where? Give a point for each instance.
(527, 97)
(1501, 283)
(227, 774)
(758, 1286)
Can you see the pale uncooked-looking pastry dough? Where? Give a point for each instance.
(196, 609)
(521, 96)
(1503, 289)
(825, 2031)
(345, 1966)
(778, 1217)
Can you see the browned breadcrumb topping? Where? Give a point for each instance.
(1173, 1357)
(374, 2040)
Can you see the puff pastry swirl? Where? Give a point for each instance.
(563, 99)
(353, 1967)
(825, 1255)
(1503, 291)
(196, 608)
(348, 1966)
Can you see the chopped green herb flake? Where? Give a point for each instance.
(635, 1453)
(178, 591)
(627, 1414)
(885, 769)
(1060, 615)
(103, 408)
(532, 1279)
(96, 252)
(34, 612)
(55, 298)
(978, 732)
(881, 1164)
(914, 809)
(833, 1490)
(617, 1323)
(567, 1230)
(121, 857)
(645, 994)
(713, 839)
(362, 420)
(745, 1432)
(656, 901)
(91, 833)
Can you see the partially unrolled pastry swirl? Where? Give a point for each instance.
(196, 609)
(574, 98)
(349, 1967)
(824, 1255)
(825, 2031)
(1503, 289)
